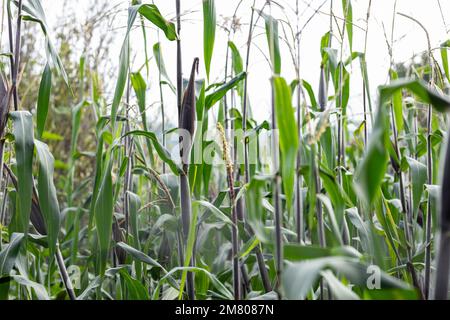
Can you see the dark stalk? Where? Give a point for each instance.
(443, 253)
(179, 69)
(64, 275)
(187, 123)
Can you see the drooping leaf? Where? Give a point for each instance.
(151, 13)
(159, 58)
(444, 56)
(9, 254)
(310, 92)
(38, 288)
(24, 147)
(236, 59)
(218, 94)
(371, 169)
(299, 277)
(162, 152)
(36, 13)
(271, 25)
(47, 194)
(140, 87)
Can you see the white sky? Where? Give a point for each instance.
(408, 37)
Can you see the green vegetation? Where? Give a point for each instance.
(95, 205)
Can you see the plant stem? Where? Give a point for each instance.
(234, 216)
(299, 181)
(276, 195)
(259, 256)
(17, 55)
(429, 221)
(342, 113)
(179, 69)
(64, 275)
(244, 107)
(364, 88)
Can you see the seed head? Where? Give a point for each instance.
(225, 147)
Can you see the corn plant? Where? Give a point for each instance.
(209, 202)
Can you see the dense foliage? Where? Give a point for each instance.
(305, 205)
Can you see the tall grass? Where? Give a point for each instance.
(302, 205)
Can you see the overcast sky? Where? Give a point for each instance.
(409, 39)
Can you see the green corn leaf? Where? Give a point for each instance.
(299, 277)
(43, 99)
(39, 289)
(444, 56)
(135, 289)
(218, 94)
(324, 43)
(337, 288)
(397, 104)
(419, 178)
(310, 92)
(163, 153)
(343, 91)
(76, 121)
(160, 63)
(286, 124)
(36, 14)
(271, 25)
(140, 87)
(151, 13)
(24, 147)
(135, 205)
(420, 89)
(236, 59)
(138, 255)
(209, 32)
(9, 254)
(371, 170)
(348, 15)
(47, 194)
(103, 213)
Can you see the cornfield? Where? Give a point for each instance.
(115, 195)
